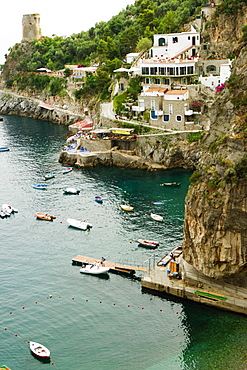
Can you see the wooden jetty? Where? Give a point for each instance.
(114, 266)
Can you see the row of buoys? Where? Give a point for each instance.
(87, 300)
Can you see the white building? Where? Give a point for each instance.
(175, 45)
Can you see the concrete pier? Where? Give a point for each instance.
(196, 287)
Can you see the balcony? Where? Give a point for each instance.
(136, 108)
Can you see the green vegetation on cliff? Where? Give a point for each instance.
(106, 44)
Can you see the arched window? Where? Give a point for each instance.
(211, 68)
(162, 41)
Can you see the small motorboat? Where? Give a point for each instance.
(171, 184)
(148, 243)
(94, 269)
(98, 199)
(39, 186)
(83, 225)
(49, 176)
(4, 367)
(44, 216)
(157, 202)
(67, 169)
(1, 118)
(4, 148)
(7, 209)
(71, 191)
(156, 217)
(39, 350)
(125, 207)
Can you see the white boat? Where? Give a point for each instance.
(67, 169)
(83, 225)
(6, 208)
(125, 207)
(148, 243)
(39, 350)
(71, 191)
(156, 217)
(94, 269)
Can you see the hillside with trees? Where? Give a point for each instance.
(106, 44)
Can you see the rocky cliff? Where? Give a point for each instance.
(215, 228)
(11, 103)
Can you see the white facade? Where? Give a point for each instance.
(131, 57)
(174, 44)
(212, 81)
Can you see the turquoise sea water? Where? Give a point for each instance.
(90, 322)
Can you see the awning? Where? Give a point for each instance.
(46, 106)
(121, 70)
(122, 131)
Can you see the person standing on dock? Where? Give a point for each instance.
(102, 261)
(172, 256)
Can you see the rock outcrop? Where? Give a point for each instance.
(24, 106)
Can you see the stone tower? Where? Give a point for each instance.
(31, 27)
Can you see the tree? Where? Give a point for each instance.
(144, 44)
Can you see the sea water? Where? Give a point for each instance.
(92, 322)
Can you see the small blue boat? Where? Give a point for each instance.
(49, 176)
(4, 148)
(98, 199)
(39, 186)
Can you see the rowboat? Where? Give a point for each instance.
(44, 216)
(71, 191)
(39, 350)
(49, 176)
(125, 207)
(156, 217)
(94, 269)
(4, 148)
(67, 169)
(171, 184)
(148, 243)
(98, 199)
(39, 186)
(83, 225)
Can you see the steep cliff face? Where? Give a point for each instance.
(215, 228)
(223, 32)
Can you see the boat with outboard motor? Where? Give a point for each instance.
(83, 225)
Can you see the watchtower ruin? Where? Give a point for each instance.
(31, 27)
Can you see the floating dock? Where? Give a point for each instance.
(114, 266)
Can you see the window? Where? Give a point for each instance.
(121, 86)
(174, 40)
(152, 104)
(145, 70)
(171, 70)
(211, 68)
(147, 80)
(179, 118)
(190, 70)
(162, 42)
(182, 71)
(170, 109)
(153, 115)
(161, 71)
(166, 118)
(167, 81)
(157, 81)
(153, 70)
